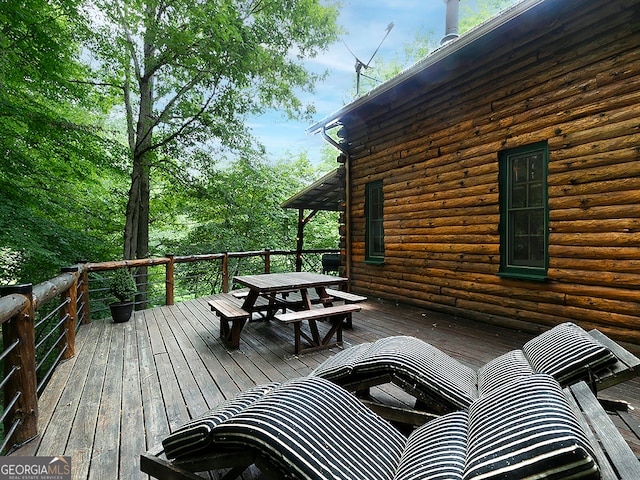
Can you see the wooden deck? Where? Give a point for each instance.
(130, 384)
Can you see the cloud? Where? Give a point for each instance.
(365, 22)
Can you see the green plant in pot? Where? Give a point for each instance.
(122, 285)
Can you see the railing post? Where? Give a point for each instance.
(170, 280)
(267, 260)
(300, 240)
(83, 288)
(20, 368)
(225, 273)
(71, 314)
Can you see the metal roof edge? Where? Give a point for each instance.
(314, 186)
(438, 55)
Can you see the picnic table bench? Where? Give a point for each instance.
(228, 307)
(347, 297)
(286, 299)
(336, 315)
(232, 317)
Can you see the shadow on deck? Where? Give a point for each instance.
(130, 384)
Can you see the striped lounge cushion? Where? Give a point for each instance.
(340, 365)
(436, 450)
(502, 370)
(567, 352)
(526, 429)
(195, 436)
(310, 428)
(421, 369)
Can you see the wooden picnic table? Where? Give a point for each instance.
(277, 287)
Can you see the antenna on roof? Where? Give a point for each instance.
(360, 64)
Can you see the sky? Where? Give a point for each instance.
(365, 23)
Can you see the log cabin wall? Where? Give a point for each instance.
(568, 74)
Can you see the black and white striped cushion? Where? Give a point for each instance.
(341, 364)
(422, 369)
(310, 428)
(436, 450)
(526, 429)
(195, 436)
(567, 352)
(502, 370)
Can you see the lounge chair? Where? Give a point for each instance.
(442, 384)
(312, 429)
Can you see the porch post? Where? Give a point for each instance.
(225, 273)
(70, 314)
(300, 240)
(83, 291)
(169, 281)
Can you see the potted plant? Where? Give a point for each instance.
(122, 286)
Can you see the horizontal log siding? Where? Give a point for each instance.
(576, 88)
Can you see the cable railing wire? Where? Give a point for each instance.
(9, 406)
(9, 349)
(51, 331)
(46, 377)
(48, 316)
(9, 435)
(8, 376)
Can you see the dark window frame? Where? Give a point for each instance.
(374, 222)
(524, 212)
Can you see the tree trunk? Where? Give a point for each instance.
(142, 247)
(132, 214)
(136, 233)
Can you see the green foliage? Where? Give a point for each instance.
(238, 209)
(56, 175)
(188, 74)
(122, 285)
(71, 101)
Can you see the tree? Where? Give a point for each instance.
(188, 72)
(56, 171)
(238, 209)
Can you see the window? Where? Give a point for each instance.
(374, 229)
(524, 214)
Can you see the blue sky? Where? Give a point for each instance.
(365, 24)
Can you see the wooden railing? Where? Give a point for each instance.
(38, 334)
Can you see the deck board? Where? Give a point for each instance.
(106, 446)
(81, 438)
(132, 417)
(131, 383)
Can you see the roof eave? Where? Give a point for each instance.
(327, 183)
(430, 60)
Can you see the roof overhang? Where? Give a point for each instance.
(324, 194)
(431, 61)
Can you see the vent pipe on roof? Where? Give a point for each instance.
(451, 30)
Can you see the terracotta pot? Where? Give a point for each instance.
(121, 312)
